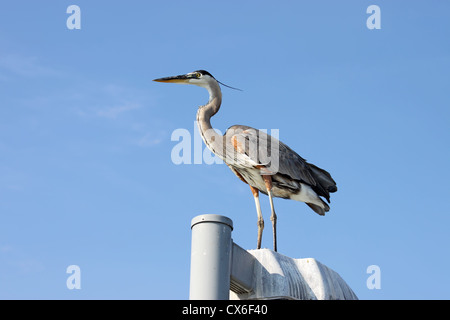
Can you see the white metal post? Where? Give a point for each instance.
(210, 257)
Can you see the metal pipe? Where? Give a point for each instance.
(211, 249)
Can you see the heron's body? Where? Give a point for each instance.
(294, 179)
(250, 154)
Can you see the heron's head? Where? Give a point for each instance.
(200, 78)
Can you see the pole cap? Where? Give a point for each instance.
(214, 218)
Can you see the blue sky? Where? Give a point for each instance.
(86, 176)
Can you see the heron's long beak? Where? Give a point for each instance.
(184, 78)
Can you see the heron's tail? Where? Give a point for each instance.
(325, 180)
(319, 209)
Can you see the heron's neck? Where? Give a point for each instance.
(208, 110)
(204, 114)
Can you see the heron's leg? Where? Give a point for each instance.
(273, 217)
(260, 217)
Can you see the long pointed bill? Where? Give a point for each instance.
(176, 79)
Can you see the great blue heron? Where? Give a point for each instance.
(246, 152)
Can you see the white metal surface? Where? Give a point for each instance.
(275, 276)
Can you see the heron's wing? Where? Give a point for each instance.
(263, 151)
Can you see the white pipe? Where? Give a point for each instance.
(210, 257)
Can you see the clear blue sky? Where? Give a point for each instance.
(86, 175)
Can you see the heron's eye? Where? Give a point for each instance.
(198, 75)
